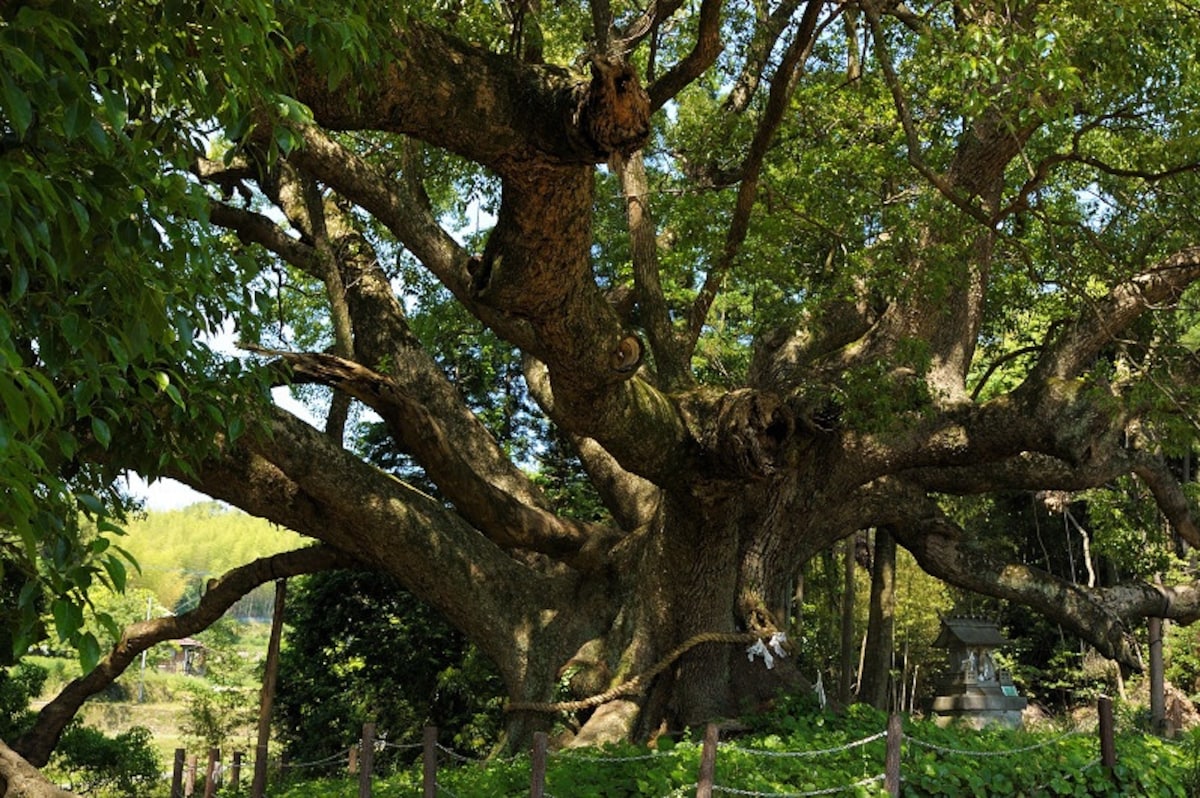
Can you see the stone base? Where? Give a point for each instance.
(979, 709)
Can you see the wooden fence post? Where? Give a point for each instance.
(189, 779)
(1108, 746)
(537, 766)
(210, 773)
(891, 768)
(177, 774)
(235, 771)
(429, 761)
(708, 762)
(366, 759)
(267, 698)
(352, 760)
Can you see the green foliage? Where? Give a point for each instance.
(1182, 656)
(107, 279)
(212, 714)
(951, 761)
(19, 685)
(920, 599)
(1190, 775)
(180, 550)
(92, 763)
(361, 648)
(1128, 529)
(224, 701)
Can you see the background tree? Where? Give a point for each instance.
(361, 648)
(762, 267)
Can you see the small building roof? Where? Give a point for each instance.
(970, 632)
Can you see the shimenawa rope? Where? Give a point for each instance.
(638, 682)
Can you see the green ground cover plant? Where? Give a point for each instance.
(797, 750)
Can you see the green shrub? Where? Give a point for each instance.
(18, 685)
(124, 766)
(212, 715)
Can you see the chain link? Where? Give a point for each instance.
(341, 755)
(802, 754)
(827, 791)
(450, 752)
(963, 752)
(581, 757)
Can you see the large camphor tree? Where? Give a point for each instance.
(775, 272)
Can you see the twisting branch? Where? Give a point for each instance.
(783, 84)
(938, 546)
(37, 745)
(912, 140)
(1080, 342)
(1169, 496)
(503, 518)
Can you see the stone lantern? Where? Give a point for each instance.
(974, 691)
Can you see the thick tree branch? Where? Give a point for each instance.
(254, 228)
(670, 357)
(493, 109)
(1069, 433)
(356, 285)
(400, 205)
(37, 745)
(506, 520)
(1078, 344)
(632, 500)
(702, 56)
(1169, 496)
(295, 476)
(19, 779)
(941, 551)
(562, 335)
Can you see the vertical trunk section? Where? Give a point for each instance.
(846, 655)
(881, 623)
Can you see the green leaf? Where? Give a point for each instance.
(89, 652)
(76, 118)
(116, 572)
(92, 505)
(20, 278)
(102, 432)
(16, 104)
(68, 618)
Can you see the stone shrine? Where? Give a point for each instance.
(974, 691)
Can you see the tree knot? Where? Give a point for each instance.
(614, 113)
(750, 432)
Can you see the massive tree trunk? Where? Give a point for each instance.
(715, 495)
